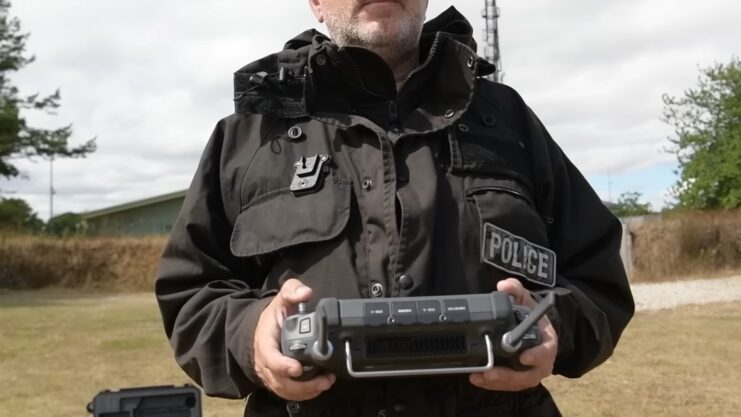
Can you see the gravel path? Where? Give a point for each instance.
(673, 294)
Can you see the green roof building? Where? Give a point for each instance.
(151, 216)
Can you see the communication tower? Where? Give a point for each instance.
(491, 37)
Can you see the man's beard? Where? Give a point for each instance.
(403, 38)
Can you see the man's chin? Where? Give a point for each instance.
(381, 32)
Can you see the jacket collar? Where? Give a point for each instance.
(313, 76)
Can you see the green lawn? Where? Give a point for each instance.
(59, 348)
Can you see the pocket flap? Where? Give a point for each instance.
(281, 219)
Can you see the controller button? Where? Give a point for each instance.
(428, 311)
(519, 316)
(457, 310)
(404, 312)
(406, 282)
(305, 326)
(297, 346)
(376, 314)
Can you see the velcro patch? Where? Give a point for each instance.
(518, 256)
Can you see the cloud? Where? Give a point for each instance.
(151, 79)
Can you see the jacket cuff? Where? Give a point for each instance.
(243, 341)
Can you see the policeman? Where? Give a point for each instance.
(380, 162)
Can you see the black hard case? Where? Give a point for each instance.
(160, 401)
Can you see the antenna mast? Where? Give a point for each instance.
(491, 36)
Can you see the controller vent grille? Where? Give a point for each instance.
(416, 346)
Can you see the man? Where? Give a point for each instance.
(425, 179)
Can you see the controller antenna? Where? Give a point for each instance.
(512, 340)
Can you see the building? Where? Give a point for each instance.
(151, 216)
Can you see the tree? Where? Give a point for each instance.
(628, 205)
(65, 224)
(17, 138)
(16, 215)
(707, 124)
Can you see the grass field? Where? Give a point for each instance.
(59, 348)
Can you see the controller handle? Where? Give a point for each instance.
(512, 340)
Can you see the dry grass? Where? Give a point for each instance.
(118, 264)
(674, 363)
(687, 245)
(59, 348)
(680, 246)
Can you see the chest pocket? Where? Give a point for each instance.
(279, 219)
(502, 222)
(511, 235)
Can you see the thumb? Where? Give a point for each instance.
(514, 288)
(294, 292)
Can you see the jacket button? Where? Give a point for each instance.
(406, 282)
(293, 407)
(489, 120)
(295, 132)
(377, 289)
(400, 406)
(367, 184)
(449, 113)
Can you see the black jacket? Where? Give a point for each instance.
(419, 185)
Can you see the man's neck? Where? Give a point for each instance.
(403, 65)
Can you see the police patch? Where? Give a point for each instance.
(518, 256)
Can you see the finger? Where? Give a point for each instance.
(277, 364)
(303, 390)
(539, 356)
(505, 379)
(514, 288)
(294, 292)
(542, 355)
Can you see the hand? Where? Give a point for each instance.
(540, 358)
(274, 369)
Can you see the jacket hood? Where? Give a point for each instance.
(280, 77)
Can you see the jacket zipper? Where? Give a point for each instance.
(419, 68)
(393, 111)
(470, 193)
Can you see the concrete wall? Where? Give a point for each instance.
(626, 246)
(626, 250)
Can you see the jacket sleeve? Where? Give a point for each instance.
(594, 302)
(210, 300)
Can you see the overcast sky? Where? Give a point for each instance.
(150, 79)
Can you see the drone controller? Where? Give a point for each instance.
(412, 336)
